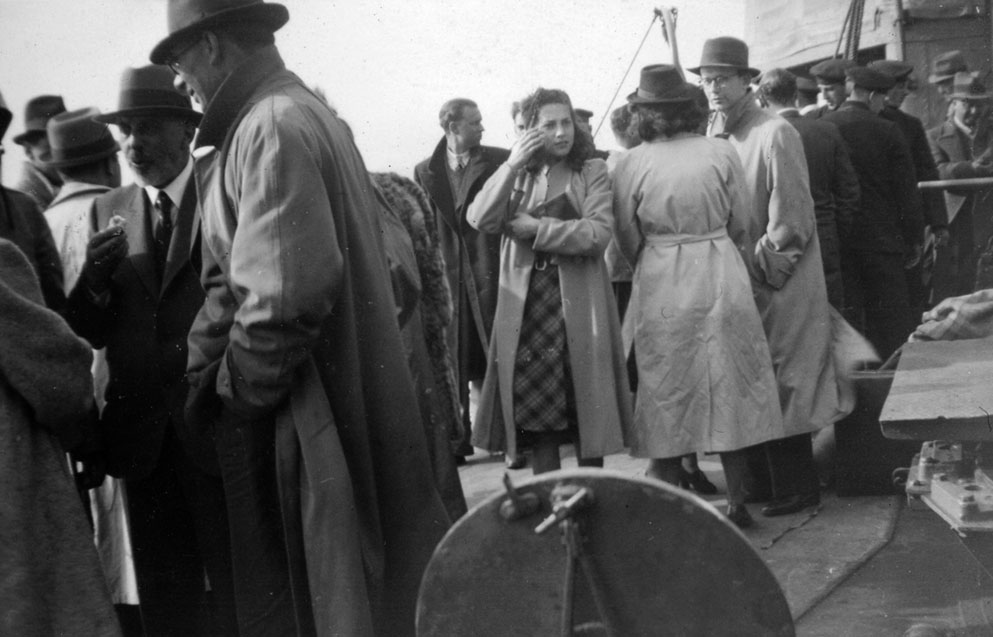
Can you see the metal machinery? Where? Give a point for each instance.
(595, 552)
(944, 389)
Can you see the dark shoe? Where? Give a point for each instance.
(792, 504)
(515, 463)
(740, 516)
(696, 480)
(460, 461)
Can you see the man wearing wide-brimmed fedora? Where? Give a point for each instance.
(37, 179)
(137, 295)
(294, 359)
(780, 246)
(84, 154)
(22, 223)
(962, 147)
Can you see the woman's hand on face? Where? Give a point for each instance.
(524, 148)
(522, 227)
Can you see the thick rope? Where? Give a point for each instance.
(606, 112)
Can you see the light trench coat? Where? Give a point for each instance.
(778, 241)
(599, 376)
(705, 379)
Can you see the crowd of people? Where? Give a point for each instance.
(265, 363)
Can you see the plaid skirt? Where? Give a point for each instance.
(544, 399)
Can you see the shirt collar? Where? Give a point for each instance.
(455, 158)
(175, 188)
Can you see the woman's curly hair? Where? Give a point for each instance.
(666, 120)
(582, 144)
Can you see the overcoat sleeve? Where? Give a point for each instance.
(791, 209)
(490, 210)
(43, 361)
(286, 267)
(949, 167)
(589, 235)
(738, 190)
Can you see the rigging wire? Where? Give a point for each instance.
(606, 112)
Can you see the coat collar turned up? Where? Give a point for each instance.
(235, 93)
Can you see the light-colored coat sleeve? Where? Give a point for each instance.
(589, 235)
(490, 210)
(737, 186)
(285, 264)
(791, 223)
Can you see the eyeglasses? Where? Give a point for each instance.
(173, 61)
(718, 81)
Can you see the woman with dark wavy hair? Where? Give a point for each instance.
(555, 368)
(705, 380)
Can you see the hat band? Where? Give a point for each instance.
(151, 98)
(648, 95)
(105, 143)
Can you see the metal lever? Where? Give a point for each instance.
(566, 500)
(517, 505)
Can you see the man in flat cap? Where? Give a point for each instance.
(961, 147)
(889, 227)
(295, 358)
(22, 223)
(935, 217)
(137, 295)
(830, 77)
(783, 255)
(40, 181)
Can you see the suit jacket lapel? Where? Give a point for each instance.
(476, 167)
(439, 188)
(182, 233)
(141, 246)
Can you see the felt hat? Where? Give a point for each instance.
(662, 84)
(945, 66)
(806, 84)
(186, 18)
(869, 79)
(726, 52)
(36, 115)
(149, 91)
(5, 116)
(77, 139)
(831, 71)
(965, 86)
(894, 68)
(582, 113)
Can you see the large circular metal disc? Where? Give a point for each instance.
(664, 563)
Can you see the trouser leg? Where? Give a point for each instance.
(258, 549)
(735, 464)
(791, 464)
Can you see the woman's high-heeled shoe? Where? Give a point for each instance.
(696, 480)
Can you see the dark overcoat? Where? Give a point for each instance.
(472, 258)
(835, 189)
(299, 329)
(50, 579)
(890, 217)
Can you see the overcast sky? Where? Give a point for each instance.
(387, 65)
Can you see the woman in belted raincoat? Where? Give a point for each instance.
(705, 379)
(555, 372)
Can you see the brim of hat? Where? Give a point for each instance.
(271, 14)
(5, 118)
(696, 69)
(79, 161)
(28, 135)
(970, 96)
(634, 98)
(150, 111)
(934, 79)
